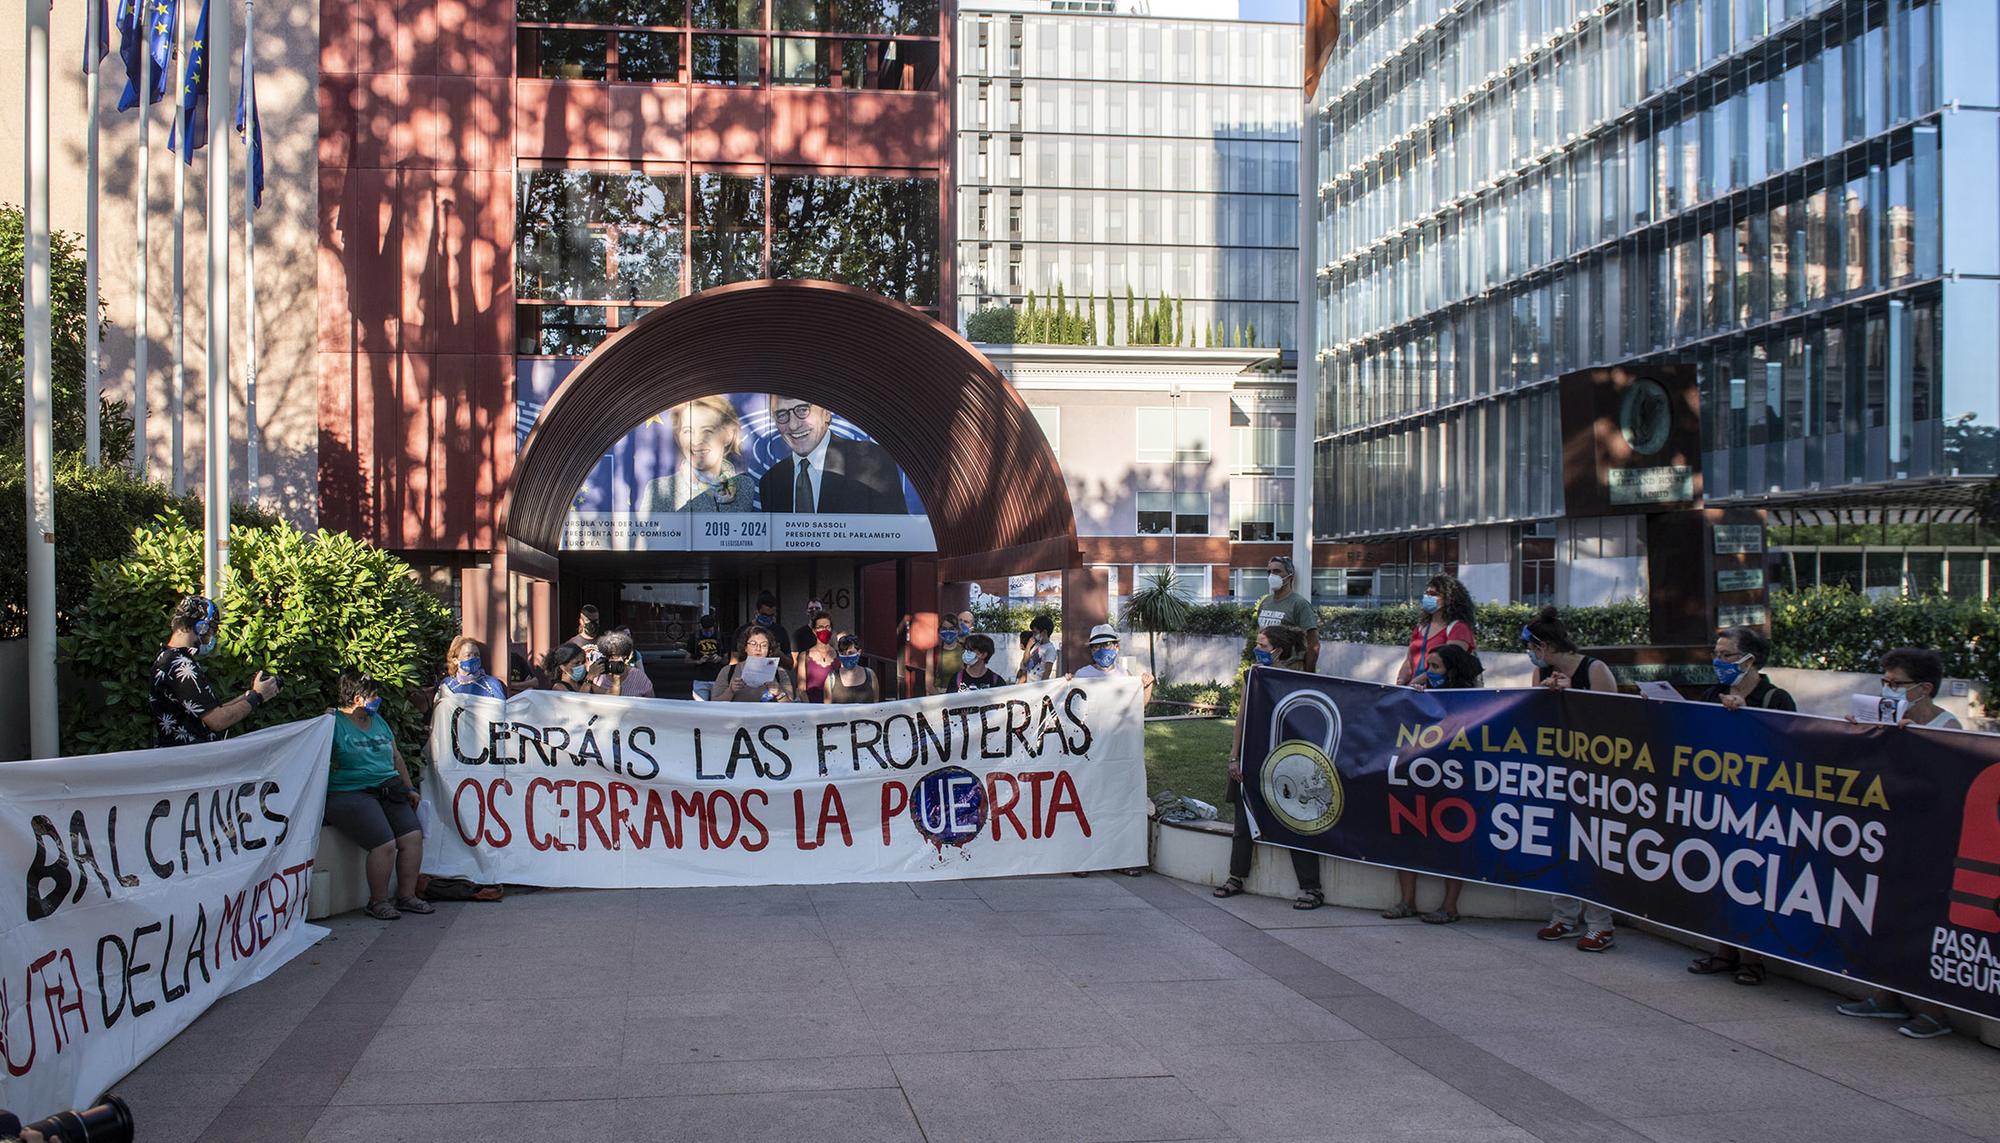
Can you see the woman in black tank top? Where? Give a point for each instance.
(1559, 665)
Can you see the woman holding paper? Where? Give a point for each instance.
(753, 673)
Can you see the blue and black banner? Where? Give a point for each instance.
(1872, 851)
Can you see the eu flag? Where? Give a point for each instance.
(192, 106)
(103, 38)
(145, 26)
(248, 127)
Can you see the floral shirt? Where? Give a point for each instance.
(181, 696)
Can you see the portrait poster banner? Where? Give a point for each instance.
(1868, 851)
(137, 889)
(558, 789)
(737, 472)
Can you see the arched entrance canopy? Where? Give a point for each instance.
(961, 433)
(968, 444)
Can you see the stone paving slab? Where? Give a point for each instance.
(1034, 1009)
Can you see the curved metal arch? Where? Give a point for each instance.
(961, 433)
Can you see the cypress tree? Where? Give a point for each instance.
(1131, 318)
(1180, 329)
(1250, 336)
(1028, 334)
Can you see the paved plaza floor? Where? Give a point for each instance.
(1055, 1008)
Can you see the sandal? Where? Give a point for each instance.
(1229, 888)
(414, 905)
(1309, 899)
(1403, 909)
(1439, 917)
(382, 911)
(1750, 974)
(1711, 965)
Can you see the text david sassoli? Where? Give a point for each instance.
(1617, 804)
(124, 853)
(598, 784)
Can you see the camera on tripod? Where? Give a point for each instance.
(109, 1122)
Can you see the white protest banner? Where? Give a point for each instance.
(137, 889)
(551, 788)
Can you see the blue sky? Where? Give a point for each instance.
(1272, 11)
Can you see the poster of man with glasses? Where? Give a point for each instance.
(748, 472)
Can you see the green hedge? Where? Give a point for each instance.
(302, 606)
(1498, 625)
(96, 511)
(1839, 629)
(1220, 696)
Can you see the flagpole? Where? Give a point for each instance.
(93, 380)
(177, 392)
(249, 261)
(36, 343)
(141, 325)
(215, 547)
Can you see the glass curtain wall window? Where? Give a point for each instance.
(594, 249)
(859, 44)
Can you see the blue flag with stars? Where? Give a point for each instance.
(146, 26)
(249, 129)
(90, 62)
(191, 109)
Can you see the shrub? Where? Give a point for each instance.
(993, 325)
(1839, 629)
(1219, 696)
(1010, 619)
(303, 607)
(1220, 619)
(69, 329)
(96, 511)
(1497, 625)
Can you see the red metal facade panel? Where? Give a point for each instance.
(416, 296)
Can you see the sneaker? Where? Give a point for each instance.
(1555, 931)
(1925, 1028)
(1596, 942)
(1872, 1009)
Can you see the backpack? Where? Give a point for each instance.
(456, 889)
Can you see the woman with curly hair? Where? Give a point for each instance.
(1447, 622)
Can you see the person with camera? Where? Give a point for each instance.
(185, 709)
(619, 672)
(371, 800)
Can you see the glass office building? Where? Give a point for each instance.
(1794, 196)
(1103, 148)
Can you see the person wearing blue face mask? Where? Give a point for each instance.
(568, 669)
(948, 658)
(1104, 664)
(184, 706)
(1447, 621)
(465, 670)
(851, 682)
(371, 800)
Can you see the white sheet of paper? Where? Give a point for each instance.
(1660, 689)
(1868, 708)
(759, 669)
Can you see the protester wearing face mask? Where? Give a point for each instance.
(465, 670)
(817, 663)
(766, 620)
(949, 655)
(1286, 606)
(1447, 621)
(371, 800)
(588, 627)
(851, 682)
(568, 669)
(977, 674)
(1105, 664)
(1277, 645)
(706, 647)
(618, 671)
(1039, 652)
(1462, 670)
(803, 637)
(731, 686)
(184, 706)
(1740, 655)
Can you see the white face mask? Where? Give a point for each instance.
(970, 658)
(1277, 582)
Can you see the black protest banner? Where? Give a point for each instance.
(1872, 851)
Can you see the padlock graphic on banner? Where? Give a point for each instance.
(1299, 781)
(1975, 878)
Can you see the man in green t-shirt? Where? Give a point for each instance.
(1286, 606)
